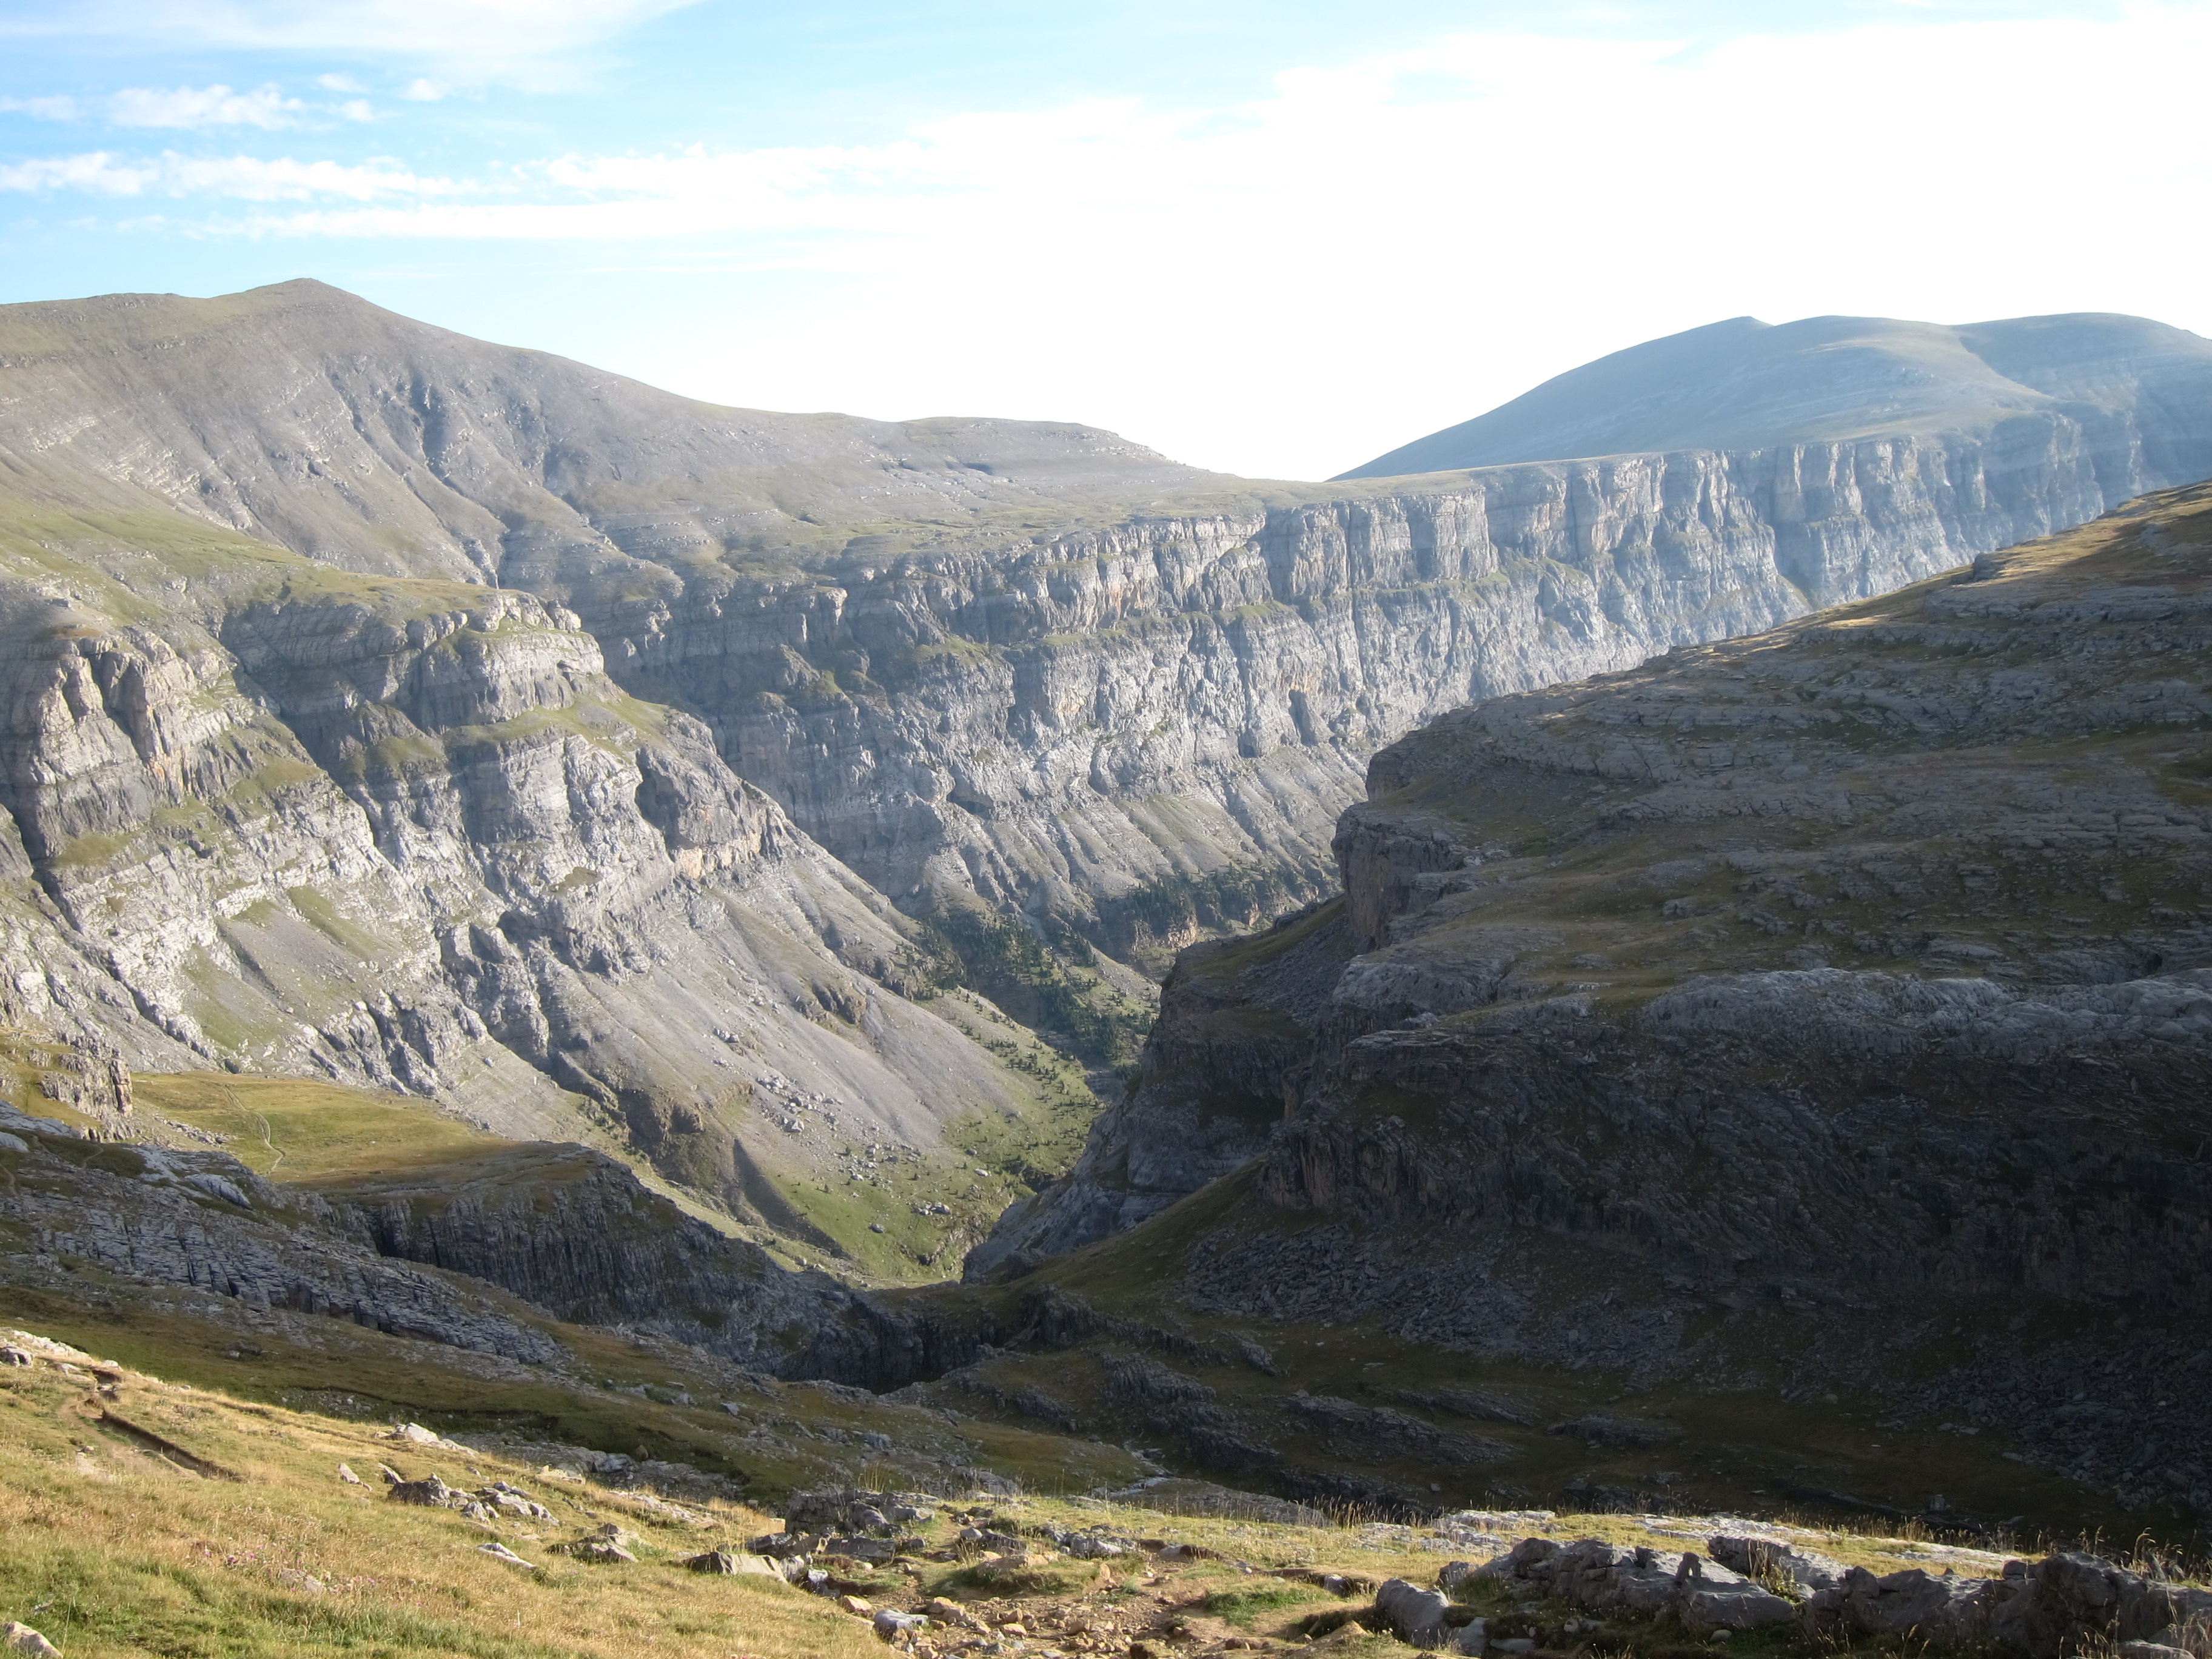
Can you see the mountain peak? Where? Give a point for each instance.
(1743, 383)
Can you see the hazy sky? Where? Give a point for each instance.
(1272, 236)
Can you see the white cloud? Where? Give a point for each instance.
(203, 107)
(232, 178)
(422, 90)
(339, 83)
(58, 108)
(97, 173)
(357, 109)
(479, 39)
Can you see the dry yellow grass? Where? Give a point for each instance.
(259, 1549)
(108, 1547)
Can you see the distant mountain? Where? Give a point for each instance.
(1744, 384)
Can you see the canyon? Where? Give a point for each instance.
(761, 833)
(1822, 1013)
(396, 707)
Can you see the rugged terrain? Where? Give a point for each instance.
(391, 707)
(1823, 1016)
(140, 1512)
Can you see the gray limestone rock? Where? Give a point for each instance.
(593, 723)
(1416, 1614)
(1895, 915)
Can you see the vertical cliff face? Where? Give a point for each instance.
(1050, 723)
(391, 705)
(1890, 792)
(1772, 1014)
(409, 833)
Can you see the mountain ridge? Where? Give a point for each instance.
(410, 711)
(1743, 383)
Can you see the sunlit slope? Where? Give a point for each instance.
(1744, 384)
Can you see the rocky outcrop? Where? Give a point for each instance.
(2040, 1609)
(1772, 1013)
(574, 1232)
(410, 834)
(200, 1221)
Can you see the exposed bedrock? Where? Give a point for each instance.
(1778, 1010)
(410, 834)
(1049, 724)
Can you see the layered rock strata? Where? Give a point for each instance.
(385, 704)
(410, 834)
(1031, 661)
(1769, 1012)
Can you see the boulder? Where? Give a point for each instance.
(1948, 1612)
(891, 1626)
(21, 1639)
(1709, 1597)
(431, 1493)
(596, 1549)
(1416, 1614)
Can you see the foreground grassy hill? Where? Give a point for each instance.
(144, 1515)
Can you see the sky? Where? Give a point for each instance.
(1274, 237)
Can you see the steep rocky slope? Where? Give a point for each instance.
(408, 832)
(2125, 386)
(1031, 661)
(1826, 1011)
(389, 706)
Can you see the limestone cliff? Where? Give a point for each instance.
(1033, 661)
(1829, 1009)
(409, 833)
(384, 703)
(1822, 1016)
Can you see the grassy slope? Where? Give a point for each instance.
(110, 1549)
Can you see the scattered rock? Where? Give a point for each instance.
(348, 1476)
(595, 1549)
(23, 1639)
(430, 1492)
(416, 1434)
(951, 1613)
(501, 1553)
